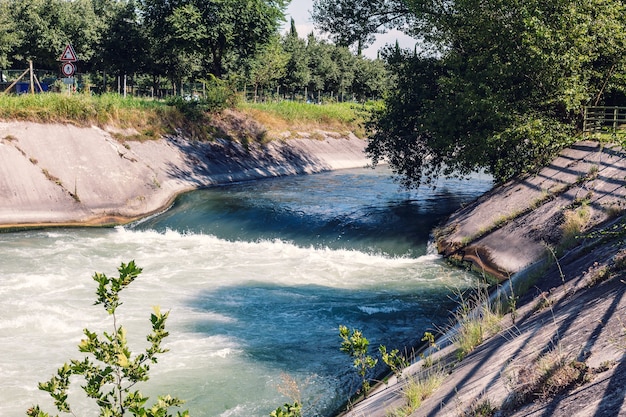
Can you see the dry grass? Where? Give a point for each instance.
(289, 116)
(480, 408)
(546, 377)
(576, 220)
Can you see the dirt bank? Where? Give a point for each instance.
(561, 236)
(67, 175)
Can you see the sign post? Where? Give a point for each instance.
(68, 57)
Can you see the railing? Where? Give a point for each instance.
(604, 119)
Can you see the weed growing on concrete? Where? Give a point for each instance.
(558, 264)
(614, 210)
(480, 408)
(547, 376)
(51, 177)
(432, 347)
(394, 360)
(75, 193)
(418, 389)
(545, 301)
(477, 320)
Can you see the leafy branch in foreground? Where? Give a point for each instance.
(111, 371)
(356, 346)
(394, 360)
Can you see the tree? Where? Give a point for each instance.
(341, 79)
(223, 32)
(174, 52)
(356, 22)
(124, 43)
(371, 79)
(297, 74)
(321, 64)
(8, 36)
(506, 89)
(111, 371)
(268, 67)
(45, 27)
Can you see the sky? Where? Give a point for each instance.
(300, 10)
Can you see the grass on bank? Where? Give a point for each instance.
(76, 108)
(285, 115)
(198, 119)
(417, 390)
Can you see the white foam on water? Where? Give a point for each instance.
(47, 300)
(374, 310)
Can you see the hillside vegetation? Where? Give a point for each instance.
(144, 119)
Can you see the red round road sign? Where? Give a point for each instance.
(68, 69)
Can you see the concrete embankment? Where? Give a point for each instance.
(60, 174)
(508, 228)
(560, 236)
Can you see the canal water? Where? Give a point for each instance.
(257, 276)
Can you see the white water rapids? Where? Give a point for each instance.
(257, 278)
(47, 299)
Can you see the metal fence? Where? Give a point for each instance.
(604, 119)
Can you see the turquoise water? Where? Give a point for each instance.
(258, 277)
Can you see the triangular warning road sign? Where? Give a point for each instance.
(68, 55)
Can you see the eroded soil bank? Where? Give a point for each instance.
(561, 350)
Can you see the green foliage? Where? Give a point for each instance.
(288, 410)
(505, 90)
(78, 108)
(124, 48)
(269, 67)
(110, 371)
(394, 360)
(43, 27)
(614, 232)
(417, 390)
(298, 73)
(224, 32)
(8, 37)
(218, 96)
(356, 22)
(477, 320)
(158, 45)
(432, 346)
(356, 346)
(297, 112)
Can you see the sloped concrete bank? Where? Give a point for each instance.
(561, 236)
(508, 228)
(58, 174)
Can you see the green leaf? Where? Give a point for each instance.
(109, 372)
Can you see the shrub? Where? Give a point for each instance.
(394, 360)
(111, 371)
(356, 346)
